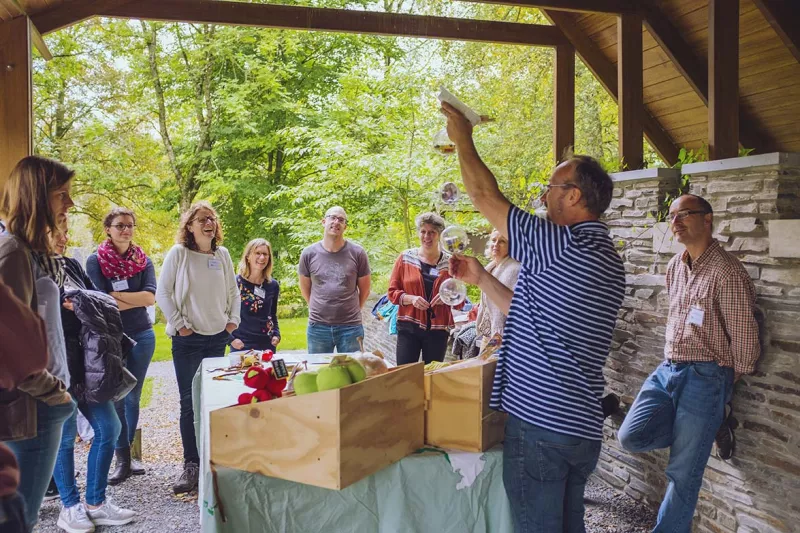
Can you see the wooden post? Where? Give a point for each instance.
(564, 106)
(16, 110)
(723, 79)
(631, 99)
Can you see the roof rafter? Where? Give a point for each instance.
(70, 13)
(586, 6)
(695, 71)
(784, 17)
(336, 20)
(606, 73)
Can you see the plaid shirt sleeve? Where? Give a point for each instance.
(737, 301)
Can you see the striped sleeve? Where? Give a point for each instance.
(534, 242)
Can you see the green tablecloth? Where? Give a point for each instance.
(432, 491)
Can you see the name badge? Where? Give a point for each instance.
(119, 285)
(43, 310)
(695, 316)
(214, 264)
(435, 272)
(260, 292)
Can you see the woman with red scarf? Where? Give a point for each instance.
(121, 269)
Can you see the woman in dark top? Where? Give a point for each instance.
(258, 329)
(123, 270)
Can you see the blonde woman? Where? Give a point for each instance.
(491, 318)
(198, 294)
(258, 329)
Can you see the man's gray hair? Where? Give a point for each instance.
(432, 219)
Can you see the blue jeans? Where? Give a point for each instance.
(325, 338)
(137, 363)
(544, 473)
(187, 355)
(106, 425)
(37, 456)
(12, 514)
(680, 406)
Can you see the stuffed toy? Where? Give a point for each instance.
(266, 386)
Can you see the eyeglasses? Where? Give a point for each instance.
(206, 220)
(340, 220)
(546, 188)
(682, 214)
(123, 227)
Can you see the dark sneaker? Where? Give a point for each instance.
(726, 439)
(610, 404)
(188, 480)
(52, 491)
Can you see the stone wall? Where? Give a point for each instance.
(756, 202)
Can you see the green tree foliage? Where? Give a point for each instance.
(273, 127)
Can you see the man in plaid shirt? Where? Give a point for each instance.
(711, 341)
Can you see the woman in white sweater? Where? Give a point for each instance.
(491, 319)
(198, 294)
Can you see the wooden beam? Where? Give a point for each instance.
(337, 20)
(606, 73)
(784, 17)
(564, 105)
(38, 43)
(631, 91)
(695, 71)
(723, 79)
(677, 49)
(16, 109)
(587, 6)
(69, 13)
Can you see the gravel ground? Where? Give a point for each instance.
(150, 495)
(607, 511)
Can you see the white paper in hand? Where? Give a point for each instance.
(450, 98)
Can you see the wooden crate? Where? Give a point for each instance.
(330, 439)
(457, 412)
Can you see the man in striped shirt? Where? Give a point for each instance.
(561, 317)
(711, 340)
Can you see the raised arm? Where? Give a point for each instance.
(479, 181)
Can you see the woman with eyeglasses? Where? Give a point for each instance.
(423, 321)
(198, 294)
(121, 268)
(258, 329)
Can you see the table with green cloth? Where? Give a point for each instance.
(430, 491)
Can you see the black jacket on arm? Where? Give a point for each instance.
(97, 354)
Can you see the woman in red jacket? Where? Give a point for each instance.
(423, 321)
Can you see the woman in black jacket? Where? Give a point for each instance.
(89, 368)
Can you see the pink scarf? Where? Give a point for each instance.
(116, 266)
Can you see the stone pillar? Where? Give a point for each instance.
(756, 201)
(638, 344)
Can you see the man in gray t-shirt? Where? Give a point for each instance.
(335, 281)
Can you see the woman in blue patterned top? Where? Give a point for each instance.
(258, 329)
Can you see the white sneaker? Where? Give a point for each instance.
(109, 514)
(74, 519)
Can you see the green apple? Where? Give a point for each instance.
(333, 377)
(356, 370)
(305, 382)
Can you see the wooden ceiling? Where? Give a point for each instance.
(675, 44)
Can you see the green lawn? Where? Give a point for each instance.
(147, 393)
(293, 337)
